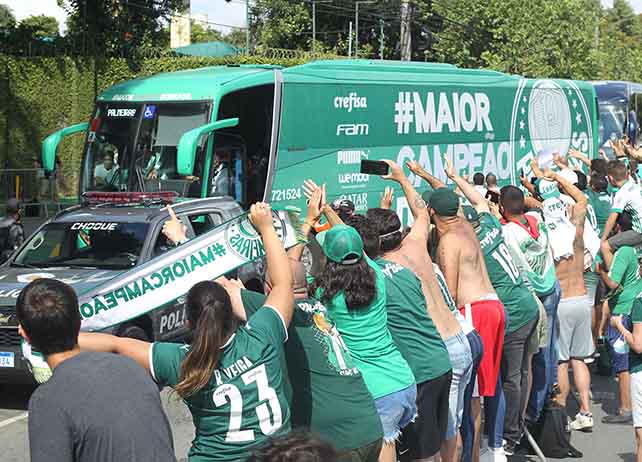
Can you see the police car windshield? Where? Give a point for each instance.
(133, 146)
(91, 244)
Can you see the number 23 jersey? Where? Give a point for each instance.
(243, 403)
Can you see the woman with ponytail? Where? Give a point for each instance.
(230, 376)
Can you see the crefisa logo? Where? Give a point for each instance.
(350, 102)
(244, 241)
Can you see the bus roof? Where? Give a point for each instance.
(190, 84)
(205, 83)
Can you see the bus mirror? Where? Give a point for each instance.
(188, 144)
(50, 144)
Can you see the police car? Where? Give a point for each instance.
(89, 244)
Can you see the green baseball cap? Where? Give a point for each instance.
(444, 202)
(426, 195)
(341, 244)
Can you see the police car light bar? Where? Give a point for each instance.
(96, 197)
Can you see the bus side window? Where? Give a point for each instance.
(634, 120)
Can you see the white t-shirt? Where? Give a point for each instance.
(481, 190)
(629, 199)
(101, 172)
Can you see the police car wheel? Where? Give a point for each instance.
(135, 332)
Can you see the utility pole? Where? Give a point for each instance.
(314, 26)
(350, 41)
(356, 25)
(247, 27)
(405, 36)
(381, 38)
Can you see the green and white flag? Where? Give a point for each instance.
(169, 276)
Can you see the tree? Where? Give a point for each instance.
(117, 27)
(39, 27)
(236, 37)
(622, 16)
(280, 23)
(200, 34)
(7, 19)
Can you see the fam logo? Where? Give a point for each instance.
(350, 102)
(245, 242)
(353, 129)
(548, 116)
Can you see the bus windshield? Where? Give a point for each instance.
(133, 146)
(612, 122)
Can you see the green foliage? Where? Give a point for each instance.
(7, 19)
(199, 34)
(39, 26)
(114, 27)
(280, 23)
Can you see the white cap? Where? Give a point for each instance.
(569, 175)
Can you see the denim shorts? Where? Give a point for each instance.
(397, 410)
(619, 361)
(462, 363)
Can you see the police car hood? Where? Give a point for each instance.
(12, 279)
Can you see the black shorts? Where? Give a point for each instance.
(424, 436)
(600, 293)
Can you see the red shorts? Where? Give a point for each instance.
(488, 319)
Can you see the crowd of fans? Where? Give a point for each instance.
(392, 348)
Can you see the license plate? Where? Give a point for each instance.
(6, 359)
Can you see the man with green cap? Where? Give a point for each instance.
(460, 258)
(520, 303)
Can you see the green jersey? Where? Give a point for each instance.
(412, 329)
(365, 332)
(635, 359)
(625, 272)
(243, 403)
(443, 287)
(601, 202)
(518, 301)
(321, 370)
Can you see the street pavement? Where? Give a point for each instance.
(607, 443)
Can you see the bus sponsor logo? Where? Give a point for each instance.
(360, 200)
(350, 157)
(175, 96)
(96, 226)
(443, 112)
(350, 102)
(549, 115)
(123, 98)
(352, 129)
(353, 178)
(123, 112)
(244, 241)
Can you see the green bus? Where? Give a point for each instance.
(256, 132)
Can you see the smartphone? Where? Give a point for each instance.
(374, 167)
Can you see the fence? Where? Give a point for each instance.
(37, 191)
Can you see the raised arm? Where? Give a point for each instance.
(311, 219)
(575, 154)
(137, 350)
(418, 170)
(578, 217)
(473, 196)
(281, 297)
(448, 261)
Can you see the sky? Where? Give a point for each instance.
(220, 14)
(218, 11)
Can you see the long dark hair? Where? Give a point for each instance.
(357, 282)
(388, 228)
(209, 311)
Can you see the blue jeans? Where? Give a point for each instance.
(468, 423)
(545, 361)
(495, 411)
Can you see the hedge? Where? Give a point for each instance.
(41, 95)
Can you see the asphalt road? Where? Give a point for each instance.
(612, 443)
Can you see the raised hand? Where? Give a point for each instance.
(386, 198)
(396, 172)
(173, 229)
(261, 217)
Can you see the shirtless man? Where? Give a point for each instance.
(574, 311)
(413, 290)
(460, 257)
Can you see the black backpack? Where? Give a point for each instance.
(552, 433)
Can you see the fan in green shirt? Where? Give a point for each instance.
(623, 278)
(635, 359)
(329, 395)
(601, 203)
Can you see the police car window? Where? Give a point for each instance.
(102, 245)
(201, 223)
